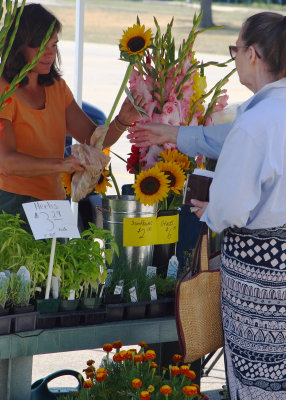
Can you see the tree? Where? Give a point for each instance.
(206, 8)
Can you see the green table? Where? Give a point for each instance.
(17, 350)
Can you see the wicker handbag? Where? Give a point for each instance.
(198, 305)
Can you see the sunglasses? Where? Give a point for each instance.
(233, 50)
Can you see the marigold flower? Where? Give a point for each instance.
(166, 389)
(117, 344)
(87, 384)
(107, 347)
(144, 345)
(123, 354)
(175, 370)
(189, 390)
(150, 355)
(145, 395)
(89, 369)
(117, 357)
(100, 377)
(90, 362)
(153, 365)
(150, 388)
(138, 358)
(101, 370)
(191, 374)
(177, 358)
(89, 374)
(136, 383)
(184, 369)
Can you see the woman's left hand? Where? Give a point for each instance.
(201, 205)
(128, 113)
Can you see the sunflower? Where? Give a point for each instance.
(66, 182)
(135, 40)
(103, 183)
(175, 156)
(174, 173)
(151, 186)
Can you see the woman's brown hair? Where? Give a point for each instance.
(268, 31)
(34, 24)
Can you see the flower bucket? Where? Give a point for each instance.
(114, 211)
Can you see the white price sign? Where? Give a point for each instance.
(51, 219)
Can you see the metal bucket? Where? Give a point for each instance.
(114, 211)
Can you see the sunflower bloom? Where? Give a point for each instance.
(175, 175)
(103, 183)
(135, 40)
(151, 186)
(166, 389)
(145, 395)
(189, 390)
(174, 155)
(136, 383)
(66, 182)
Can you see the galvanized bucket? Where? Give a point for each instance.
(114, 211)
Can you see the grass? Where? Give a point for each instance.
(105, 20)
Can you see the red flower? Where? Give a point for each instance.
(166, 389)
(133, 160)
(191, 374)
(175, 370)
(144, 395)
(117, 344)
(107, 347)
(87, 384)
(177, 358)
(136, 383)
(150, 355)
(189, 390)
(100, 377)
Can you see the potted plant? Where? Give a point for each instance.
(164, 305)
(5, 319)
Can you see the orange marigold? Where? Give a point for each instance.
(117, 357)
(87, 384)
(191, 374)
(90, 362)
(117, 344)
(184, 369)
(123, 354)
(144, 345)
(189, 390)
(150, 355)
(138, 358)
(101, 370)
(166, 389)
(107, 347)
(175, 370)
(100, 377)
(136, 383)
(144, 395)
(153, 365)
(89, 374)
(177, 358)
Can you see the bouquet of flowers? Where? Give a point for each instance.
(134, 375)
(175, 89)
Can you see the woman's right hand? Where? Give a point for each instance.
(71, 164)
(144, 135)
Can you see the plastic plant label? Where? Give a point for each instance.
(151, 271)
(133, 295)
(108, 278)
(101, 291)
(139, 231)
(51, 219)
(173, 267)
(55, 287)
(118, 289)
(72, 295)
(153, 292)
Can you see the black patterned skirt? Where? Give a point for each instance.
(253, 272)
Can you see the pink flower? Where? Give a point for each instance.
(152, 156)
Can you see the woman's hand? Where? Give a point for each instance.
(201, 205)
(128, 113)
(144, 135)
(71, 165)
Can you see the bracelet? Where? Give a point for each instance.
(117, 124)
(121, 123)
(117, 127)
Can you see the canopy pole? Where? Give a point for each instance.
(78, 75)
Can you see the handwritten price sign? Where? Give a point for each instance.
(51, 219)
(150, 230)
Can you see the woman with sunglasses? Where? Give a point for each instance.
(248, 203)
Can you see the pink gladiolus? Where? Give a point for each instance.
(152, 156)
